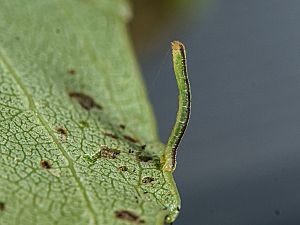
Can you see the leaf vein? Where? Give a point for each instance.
(33, 108)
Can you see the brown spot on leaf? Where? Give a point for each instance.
(111, 135)
(61, 130)
(123, 168)
(108, 153)
(45, 164)
(2, 206)
(147, 180)
(131, 139)
(129, 216)
(84, 100)
(71, 71)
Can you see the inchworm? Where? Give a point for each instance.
(168, 159)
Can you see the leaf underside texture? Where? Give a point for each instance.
(78, 141)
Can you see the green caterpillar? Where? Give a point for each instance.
(168, 160)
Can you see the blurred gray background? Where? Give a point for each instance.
(239, 162)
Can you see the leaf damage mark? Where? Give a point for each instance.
(147, 180)
(123, 168)
(45, 164)
(129, 216)
(85, 101)
(61, 130)
(104, 152)
(144, 158)
(71, 71)
(110, 135)
(2, 206)
(108, 153)
(136, 199)
(131, 139)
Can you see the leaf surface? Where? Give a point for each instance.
(78, 141)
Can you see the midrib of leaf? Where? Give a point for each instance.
(43, 122)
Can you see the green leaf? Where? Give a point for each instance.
(78, 141)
